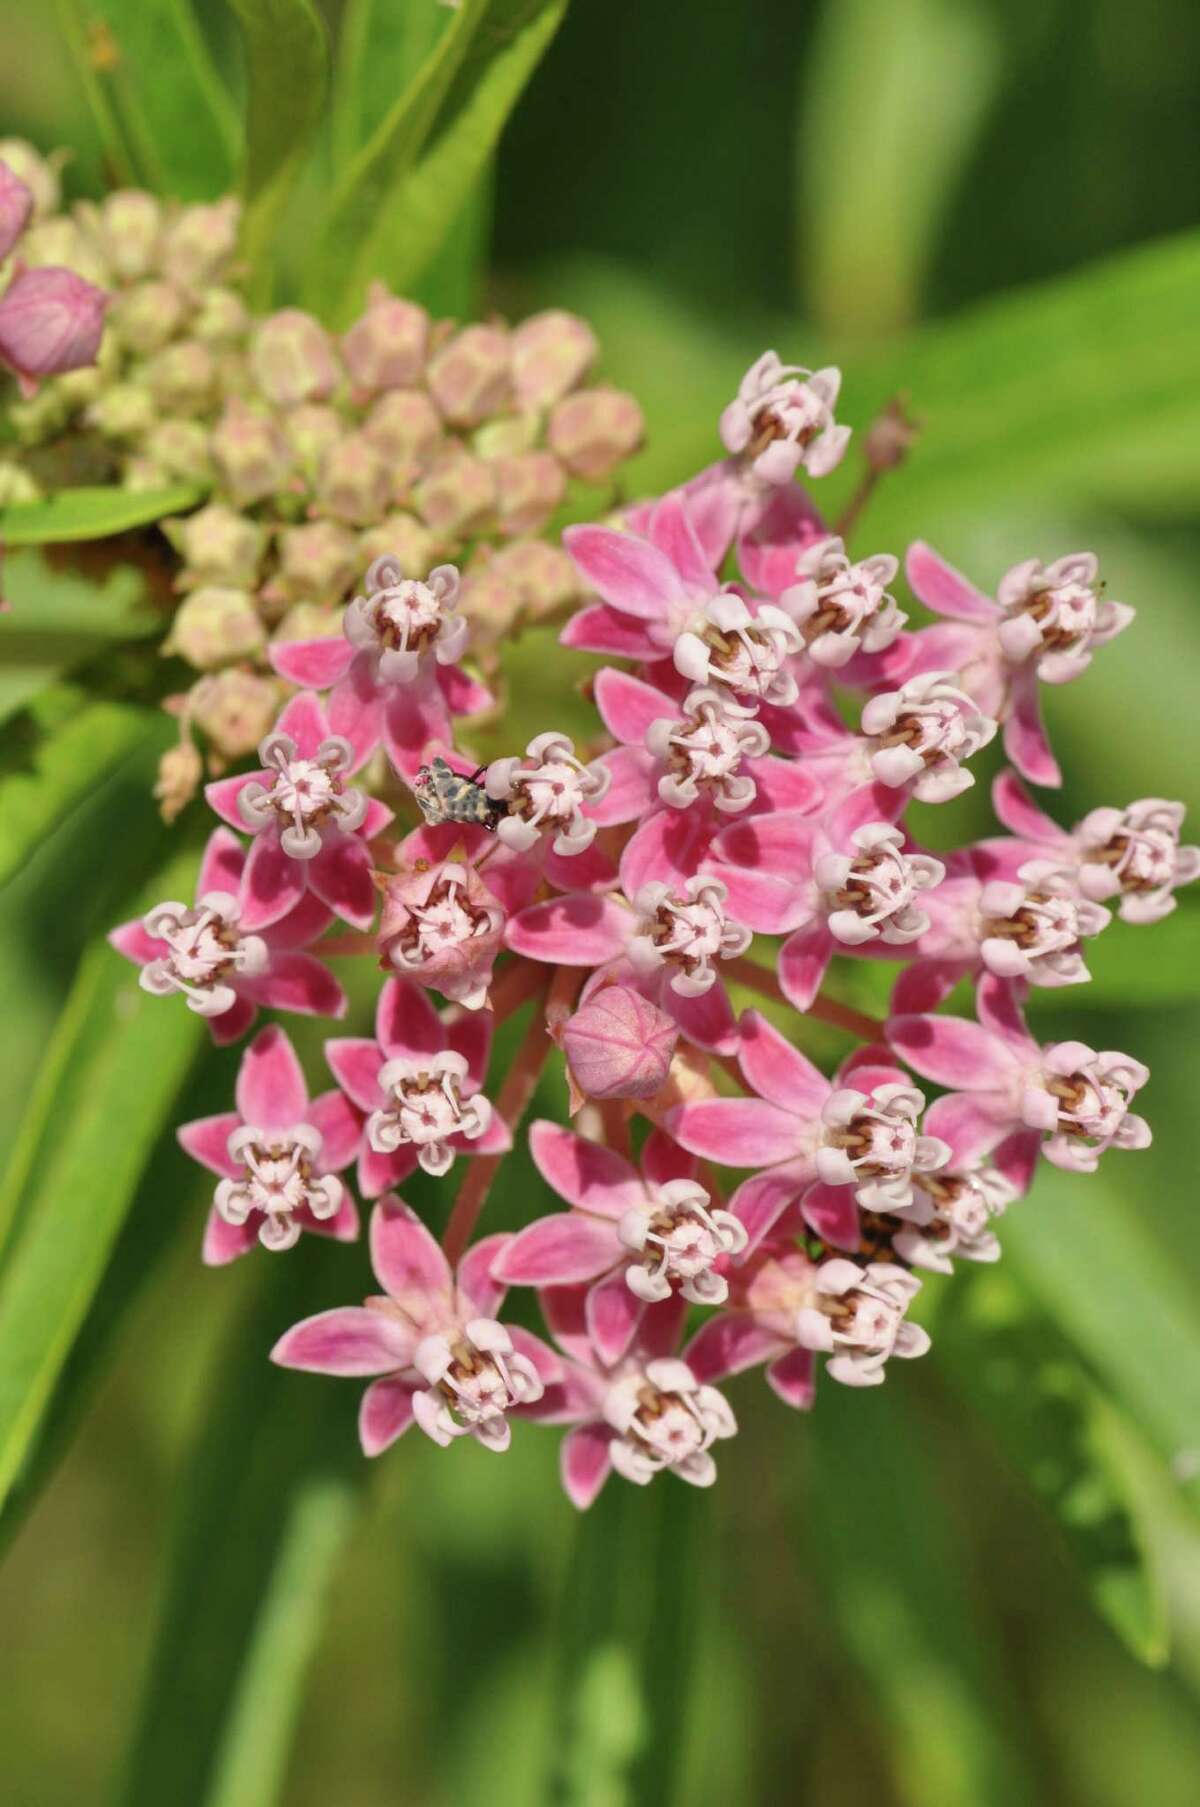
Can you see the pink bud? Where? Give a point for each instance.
(50, 321)
(551, 353)
(620, 1045)
(385, 349)
(529, 488)
(354, 484)
(16, 206)
(469, 377)
(593, 430)
(250, 453)
(458, 496)
(292, 359)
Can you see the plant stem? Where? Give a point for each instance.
(826, 1010)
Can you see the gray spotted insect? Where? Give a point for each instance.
(448, 796)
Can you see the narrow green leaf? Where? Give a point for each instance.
(162, 85)
(871, 213)
(372, 180)
(57, 619)
(287, 67)
(1018, 1375)
(1112, 1291)
(251, 1763)
(884, 1547)
(1136, 966)
(79, 1195)
(93, 514)
(379, 50)
(401, 196)
(119, 156)
(269, 1437)
(41, 785)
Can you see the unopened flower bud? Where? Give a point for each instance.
(62, 243)
(38, 173)
(50, 320)
(594, 430)
(619, 1044)
(308, 621)
(124, 411)
(250, 452)
(218, 545)
(235, 709)
(16, 485)
(528, 490)
(406, 427)
(215, 626)
(551, 355)
(40, 416)
(319, 559)
(181, 448)
(293, 360)
(199, 241)
(222, 317)
(385, 349)
(179, 773)
(507, 436)
(543, 576)
(354, 483)
(402, 537)
(312, 431)
(128, 225)
(183, 376)
(148, 315)
(458, 495)
(469, 377)
(16, 209)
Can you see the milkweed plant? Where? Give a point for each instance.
(378, 519)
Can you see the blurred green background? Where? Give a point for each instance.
(960, 1590)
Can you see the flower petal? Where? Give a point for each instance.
(313, 664)
(559, 1250)
(586, 1174)
(272, 883)
(385, 1413)
(406, 1023)
(943, 589)
(953, 1052)
(803, 961)
(625, 571)
(603, 630)
(736, 1132)
(341, 1129)
(406, 1258)
(614, 1316)
(670, 529)
(1024, 735)
(350, 1340)
(221, 864)
(667, 847)
(355, 1063)
(575, 930)
(760, 1201)
(794, 1378)
(206, 1141)
(777, 1071)
(729, 1343)
(271, 1092)
(831, 1213)
(341, 877)
(628, 707)
(585, 1462)
(297, 982)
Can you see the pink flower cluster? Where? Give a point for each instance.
(719, 1203)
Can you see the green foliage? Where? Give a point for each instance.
(58, 620)
(92, 514)
(156, 94)
(78, 1162)
(379, 50)
(287, 74)
(74, 747)
(1020, 1379)
(398, 198)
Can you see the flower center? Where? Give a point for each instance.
(1143, 859)
(475, 1378)
(687, 931)
(205, 952)
(306, 796)
(679, 1238)
(279, 1182)
(425, 1109)
(663, 1419)
(1065, 613)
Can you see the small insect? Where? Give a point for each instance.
(448, 796)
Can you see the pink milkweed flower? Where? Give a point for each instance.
(277, 1155)
(418, 1086)
(433, 1342)
(310, 830)
(1132, 854)
(393, 676)
(858, 1318)
(759, 1326)
(632, 1240)
(747, 653)
(664, 942)
(547, 790)
(1074, 1097)
(1044, 624)
(827, 1147)
(653, 585)
(920, 734)
(951, 1215)
(204, 953)
(782, 419)
(642, 1416)
(51, 321)
(16, 208)
(846, 883)
(842, 608)
(442, 927)
(618, 1044)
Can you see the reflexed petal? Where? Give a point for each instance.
(585, 1462)
(794, 1378)
(406, 1023)
(221, 864)
(341, 877)
(760, 1202)
(272, 883)
(777, 1071)
(313, 664)
(385, 1413)
(341, 1129)
(625, 571)
(614, 1315)
(355, 1065)
(729, 1343)
(944, 590)
(584, 1173)
(559, 1250)
(574, 930)
(271, 1091)
(803, 960)
(404, 1254)
(349, 1340)
(737, 1132)
(297, 982)
(206, 1140)
(953, 1052)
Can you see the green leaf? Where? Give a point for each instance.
(41, 785)
(1144, 965)
(93, 514)
(160, 83)
(79, 1192)
(269, 1438)
(1114, 1294)
(401, 195)
(119, 156)
(885, 1548)
(379, 50)
(287, 65)
(251, 1764)
(1020, 1377)
(58, 619)
(872, 213)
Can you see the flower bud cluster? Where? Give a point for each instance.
(729, 834)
